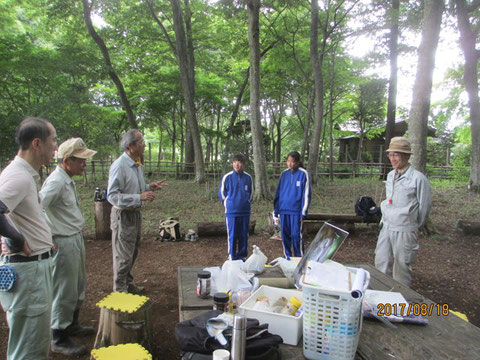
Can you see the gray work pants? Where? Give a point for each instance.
(69, 279)
(126, 234)
(28, 306)
(396, 250)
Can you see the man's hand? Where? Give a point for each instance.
(147, 196)
(157, 185)
(6, 250)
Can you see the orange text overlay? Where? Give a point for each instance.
(415, 309)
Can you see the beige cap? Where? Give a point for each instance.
(74, 147)
(400, 144)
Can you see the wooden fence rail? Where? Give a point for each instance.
(98, 169)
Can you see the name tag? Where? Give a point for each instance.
(246, 187)
(298, 182)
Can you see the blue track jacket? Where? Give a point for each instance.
(293, 193)
(236, 193)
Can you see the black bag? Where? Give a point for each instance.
(366, 207)
(194, 341)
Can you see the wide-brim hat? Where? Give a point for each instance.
(74, 147)
(400, 144)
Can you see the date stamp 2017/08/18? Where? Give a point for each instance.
(415, 309)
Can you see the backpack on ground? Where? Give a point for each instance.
(366, 207)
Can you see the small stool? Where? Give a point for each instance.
(121, 352)
(124, 318)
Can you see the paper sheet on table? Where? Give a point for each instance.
(375, 297)
(328, 275)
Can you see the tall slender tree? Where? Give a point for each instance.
(317, 61)
(422, 88)
(261, 180)
(184, 61)
(87, 9)
(466, 16)
(392, 15)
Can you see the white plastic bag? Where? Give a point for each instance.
(287, 266)
(256, 262)
(232, 276)
(215, 273)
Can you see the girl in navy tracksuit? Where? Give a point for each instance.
(236, 193)
(291, 203)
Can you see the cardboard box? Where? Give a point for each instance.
(287, 326)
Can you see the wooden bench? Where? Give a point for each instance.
(313, 222)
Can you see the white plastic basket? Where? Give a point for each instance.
(332, 322)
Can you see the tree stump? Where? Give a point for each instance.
(117, 326)
(469, 228)
(218, 228)
(102, 210)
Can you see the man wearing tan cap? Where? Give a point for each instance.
(60, 203)
(404, 213)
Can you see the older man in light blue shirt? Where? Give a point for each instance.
(127, 192)
(60, 203)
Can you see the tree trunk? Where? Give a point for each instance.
(392, 85)
(261, 180)
(185, 62)
(182, 134)
(111, 72)
(174, 136)
(422, 89)
(218, 129)
(306, 129)
(317, 60)
(471, 54)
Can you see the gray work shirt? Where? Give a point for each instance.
(19, 192)
(408, 202)
(60, 203)
(126, 181)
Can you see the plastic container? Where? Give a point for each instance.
(203, 284)
(287, 326)
(243, 294)
(332, 322)
(221, 301)
(292, 306)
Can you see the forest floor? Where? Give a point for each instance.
(446, 270)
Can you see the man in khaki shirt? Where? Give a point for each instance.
(28, 304)
(60, 202)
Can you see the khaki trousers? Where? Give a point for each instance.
(396, 250)
(126, 234)
(28, 307)
(69, 279)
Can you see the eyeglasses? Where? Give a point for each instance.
(394, 155)
(77, 159)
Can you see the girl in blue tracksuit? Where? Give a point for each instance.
(236, 193)
(291, 203)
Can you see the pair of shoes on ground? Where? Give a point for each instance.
(63, 344)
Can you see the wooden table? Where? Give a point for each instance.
(445, 337)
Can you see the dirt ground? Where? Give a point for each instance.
(452, 278)
(446, 270)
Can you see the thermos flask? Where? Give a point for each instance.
(239, 337)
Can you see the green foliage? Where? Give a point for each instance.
(50, 67)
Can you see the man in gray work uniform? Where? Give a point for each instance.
(60, 203)
(28, 304)
(404, 213)
(127, 192)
